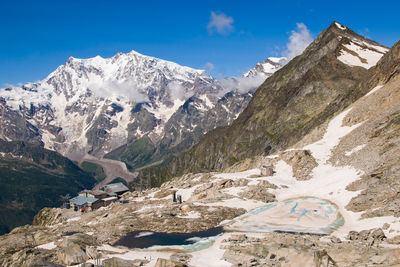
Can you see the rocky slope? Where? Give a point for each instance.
(333, 72)
(331, 201)
(32, 178)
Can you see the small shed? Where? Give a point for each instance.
(117, 188)
(108, 200)
(79, 202)
(267, 170)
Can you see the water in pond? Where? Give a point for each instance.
(188, 241)
(301, 215)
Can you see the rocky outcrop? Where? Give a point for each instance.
(73, 249)
(48, 216)
(168, 263)
(117, 262)
(302, 163)
(295, 250)
(371, 237)
(258, 192)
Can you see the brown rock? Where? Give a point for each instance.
(168, 263)
(72, 255)
(117, 262)
(301, 161)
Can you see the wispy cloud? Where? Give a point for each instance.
(9, 85)
(220, 23)
(209, 67)
(111, 88)
(241, 84)
(298, 41)
(177, 91)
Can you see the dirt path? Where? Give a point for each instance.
(112, 170)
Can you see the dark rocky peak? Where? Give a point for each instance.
(306, 92)
(344, 31)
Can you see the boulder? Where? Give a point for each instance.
(72, 255)
(180, 257)
(168, 263)
(258, 193)
(117, 262)
(73, 249)
(378, 235)
(92, 253)
(301, 161)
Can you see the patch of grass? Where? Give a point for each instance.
(94, 169)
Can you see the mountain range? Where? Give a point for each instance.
(131, 108)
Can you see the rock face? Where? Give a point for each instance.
(372, 147)
(296, 99)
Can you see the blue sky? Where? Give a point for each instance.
(232, 36)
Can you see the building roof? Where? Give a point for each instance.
(93, 192)
(109, 198)
(79, 200)
(115, 188)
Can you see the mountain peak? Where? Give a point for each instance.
(133, 52)
(349, 47)
(267, 67)
(340, 26)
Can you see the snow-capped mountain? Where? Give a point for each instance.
(87, 99)
(359, 51)
(97, 105)
(267, 67)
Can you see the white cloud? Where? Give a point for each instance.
(298, 41)
(241, 84)
(209, 67)
(220, 23)
(177, 91)
(119, 89)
